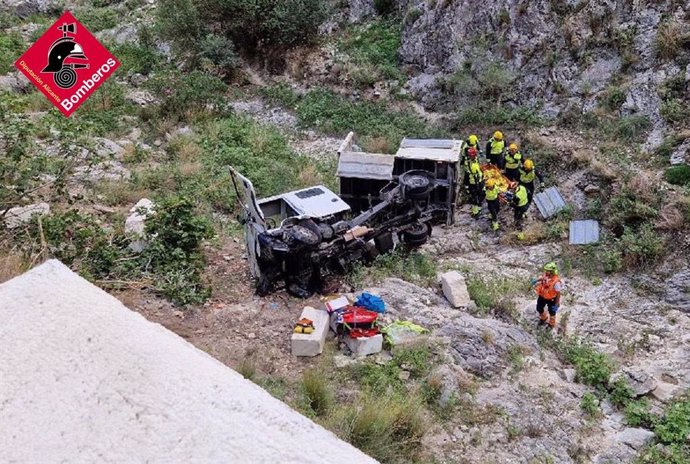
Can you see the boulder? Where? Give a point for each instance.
(635, 438)
(135, 224)
(677, 291)
(19, 215)
(455, 289)
(640, 381)
(140, 97)
(107, 170)
(681, 155)
(664, 392)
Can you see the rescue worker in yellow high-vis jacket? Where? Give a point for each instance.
(513, 162)
(527, 175)
(495, 148)
(491, 194)
(471, 142)
(476, 178)
(520, 204)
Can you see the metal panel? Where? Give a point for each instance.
(584, 232)
(445, 150)
(447, 144)
(361, 165)
(549, 202)
(317, 202)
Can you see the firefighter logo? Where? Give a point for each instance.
(64, 57)
(67, 63)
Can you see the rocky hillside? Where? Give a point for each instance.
(562, 57)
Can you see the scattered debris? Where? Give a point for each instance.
(403, 333)
(549, 202)
(584, 232)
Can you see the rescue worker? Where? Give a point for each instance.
(471, 142)
(527, 175)
(476, 178)
(491, 193)
(513, 161)
(548, 288)
(495, 148)
(520, 205)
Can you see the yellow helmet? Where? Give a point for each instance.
(490, 183)
(473, 139)
(529, 165)
(498, 135)
(513, 147)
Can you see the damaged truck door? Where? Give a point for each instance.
(298, 238)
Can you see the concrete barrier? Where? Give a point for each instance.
(311, 344)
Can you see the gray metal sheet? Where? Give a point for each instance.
(320, 204)
(549, 202)
(584, 232)
(359, 165)
(447, 144)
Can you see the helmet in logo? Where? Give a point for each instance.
(61, 58)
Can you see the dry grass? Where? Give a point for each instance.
(185, 148)
(644, 188)
(488, 337)
(670, 40)
(377, 144)
(190, 168)
(602, 169)
(120, 193)
(308, 176)
(671, 217)
(12, 265)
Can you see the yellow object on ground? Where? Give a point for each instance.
(304, 326)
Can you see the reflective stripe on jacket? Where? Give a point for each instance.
(527, 177)
(475, 171)
(520, 196)
(492, 194)
(548, 287)
(513, 161)
(497, 146)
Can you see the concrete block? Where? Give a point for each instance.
(311, 344)
(455, 289)
(365, 345)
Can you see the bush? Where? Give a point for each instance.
(592, 367)
(674, 426)
(389, 428)
(185, 94)
(98, 19)
(384, 7)
(671, 40)
(490, 294)
(642, 246)
(375, 48)
(316, 391)
(590, 404)
(620, 392)
(11, 47)
(632, 127)
(637, 414)
(678, 175)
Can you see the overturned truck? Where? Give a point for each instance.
(300, 237)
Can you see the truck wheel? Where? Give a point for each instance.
(300, 234)
(416, 183)
(415, 232)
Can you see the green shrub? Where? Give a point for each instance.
(614, 97)
(632, 127)
(317, 393)
(252, 25)
(184, 94)
(637, 414)
(674, 425)
(98, 19)
(620, 392)
(11, 47)
(389, 427)
(497, 115)
(218, 52)
(678, 175)
(671, 40)
(674, 111)
(492, 294)
(642, 246)
(590, 404)
(592, 367)
(611, 259)
(675, 454)
(375, 47)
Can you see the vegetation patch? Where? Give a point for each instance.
(11, 47)
(678, 175)
(373, 122)
(373, 52)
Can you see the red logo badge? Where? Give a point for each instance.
(67, 64)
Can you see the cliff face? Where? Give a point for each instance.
(558, 55)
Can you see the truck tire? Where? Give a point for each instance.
(301, 235)
(417, 184)
(415, 232)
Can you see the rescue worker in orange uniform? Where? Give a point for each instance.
(548, 288)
